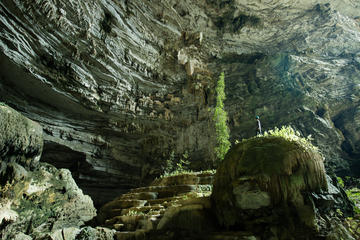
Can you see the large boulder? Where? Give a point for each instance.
(21, 139)
(37, 200)
(266, 185)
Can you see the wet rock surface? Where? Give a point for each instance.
(119, 85)
(278, 189)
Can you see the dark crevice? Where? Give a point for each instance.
(62, 157)
(106, 23)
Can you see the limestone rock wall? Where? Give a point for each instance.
(21, 141)
(103, 79)
(37, 200)
(120, 85)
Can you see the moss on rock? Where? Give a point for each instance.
(21, 139)
(46, 201)
(37, 200)
(267, 180)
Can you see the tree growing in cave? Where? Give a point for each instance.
(220, 118)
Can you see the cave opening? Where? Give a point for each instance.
(100, 186)
(62, 157)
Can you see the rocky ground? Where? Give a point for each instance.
(118, 86)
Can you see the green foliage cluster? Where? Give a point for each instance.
(354, 195)
(288, 133)
(173, 168)
(352, 223)
(134, 213)
(220, 118)
(180, 167)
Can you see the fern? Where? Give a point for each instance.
(291, 135)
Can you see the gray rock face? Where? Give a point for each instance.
(119, 85)
(37, 201)
(103, 80)
(21, 139)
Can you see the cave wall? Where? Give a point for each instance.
(126, 83)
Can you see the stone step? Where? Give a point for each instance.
(165, 202)
(170, 191)
(227, 236)
(185, 179)
(118, 226)
(140, 210)
(132, 235)
(138, 196)
(143, 209)
(166, 191)
(120, 204)
(115, 207)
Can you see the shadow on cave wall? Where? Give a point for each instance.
(62, 157)
(83, 173)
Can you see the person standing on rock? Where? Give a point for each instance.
(258, 125)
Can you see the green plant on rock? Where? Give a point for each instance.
(288, 133)
(183, 164)
(173, 168)
(4, 190)
(134, 213)
(341, 182)
(169, 167)
(354, 195)
(352, 223)
(220, 118)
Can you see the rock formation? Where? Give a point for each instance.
(172, 204)
(119, 85)
(37, 201)
(271, 187)
(266, 188)
(173, 207)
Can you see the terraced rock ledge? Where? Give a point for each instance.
(170, 208)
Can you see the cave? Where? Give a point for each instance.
(113, 94)
(86, 177)
(63, 157)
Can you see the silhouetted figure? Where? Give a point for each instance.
(258, 125)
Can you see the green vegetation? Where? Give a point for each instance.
(220, 118)
(278, 155)
(187, 172)
(291, 135)
(352, 193)
(172, 168)
(352, 223)
(134, 213)
(354, 196)
(181, 167)
(288, 133)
